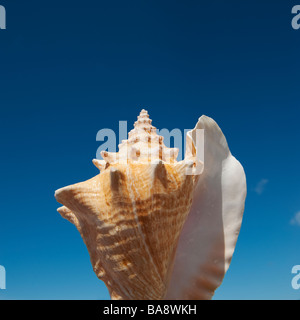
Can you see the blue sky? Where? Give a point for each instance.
(71, 68)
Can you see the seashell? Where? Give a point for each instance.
(152, 230)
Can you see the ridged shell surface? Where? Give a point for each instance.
(131, 215)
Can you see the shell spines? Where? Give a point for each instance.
(143, 145)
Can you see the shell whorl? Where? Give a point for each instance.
(143, 145)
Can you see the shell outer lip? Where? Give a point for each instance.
(208, 239)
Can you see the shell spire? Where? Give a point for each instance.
(143, 145)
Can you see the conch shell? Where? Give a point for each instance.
(155, 228)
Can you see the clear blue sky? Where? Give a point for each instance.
(71, 68)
